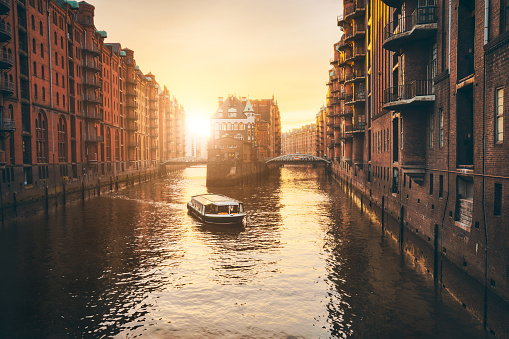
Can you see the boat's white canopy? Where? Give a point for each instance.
(216, 199)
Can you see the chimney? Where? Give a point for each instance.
(244, 100)
(220, 100)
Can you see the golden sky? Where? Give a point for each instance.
(203, 49)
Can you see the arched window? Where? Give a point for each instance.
(35, 91)
(33, 23)
(11, 112)
(41, 31)
(218, 126)
(35, 68)
(108, 144)
(43, 94)
(58, 99)
(229, 126)
(223, 126)
(42, 51)
(34, 46)
(41, 135)
(241, 126)
(62, 140)
(235, 126)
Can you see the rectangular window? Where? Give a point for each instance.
(441, 128)
(504, 16)
(401, 131)
(499, 115)
(431, 122)
(431, 184)
(441, 186)
(498, 200)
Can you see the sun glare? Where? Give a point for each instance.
(198, 125)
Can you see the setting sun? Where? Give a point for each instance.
(198, 123)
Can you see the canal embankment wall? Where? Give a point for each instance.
(428, 248)
(231, 173)
(23, 201)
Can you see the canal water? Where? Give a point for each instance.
(132, 263)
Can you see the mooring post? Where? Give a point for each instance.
(99, 187)
(46, 204)
(63, 188)
(15, 203)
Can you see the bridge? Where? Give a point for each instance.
(189, 161)
(297, 159)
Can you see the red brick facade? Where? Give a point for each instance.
(430, 148)
(75, 108)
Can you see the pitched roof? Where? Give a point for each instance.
(230, 105)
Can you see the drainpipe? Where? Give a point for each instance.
(449, 33)
(486, 264)
(50, 76)
(486, 21)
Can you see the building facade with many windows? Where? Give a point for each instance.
(75, 108)
(300, 140)
(416, 95)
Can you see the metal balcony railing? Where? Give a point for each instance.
(408, 91)
(8, 125)
(421, 16)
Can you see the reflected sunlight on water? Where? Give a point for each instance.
(134, 263)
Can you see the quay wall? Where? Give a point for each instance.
(429, 248)
(230, 173)
(23, 201)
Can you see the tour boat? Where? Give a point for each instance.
(216, 209)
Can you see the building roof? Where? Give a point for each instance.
(231, 105)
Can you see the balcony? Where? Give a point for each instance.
(5, 32)
(359, 53)
(90, 65)
(5, 6)
(356, 98)
(92, 82)
(357, 75)
(359, 127)
(91, 48)
(92, 114)
(358, 32)
(6, 61)
(131, 81)
(418, 92)
(8, 125)
(94, 138)
(132, 116)
(93, 99)
(392, 3)
(421, 24)
(131, 93)
(341, 20)
(6, 88)
(354, 9)
(132, 127)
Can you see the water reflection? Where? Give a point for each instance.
(134, 263)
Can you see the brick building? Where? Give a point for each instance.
(323, 133)
(73, 106)
(300, 140)
(417, 94)
(254, 121)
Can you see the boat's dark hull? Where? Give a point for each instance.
(230, 219)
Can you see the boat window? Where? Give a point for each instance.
(234, 209)
(208, 209)
(222, 209)
(241, 208)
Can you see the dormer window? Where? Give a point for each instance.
(219, 115)
(232, 114)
